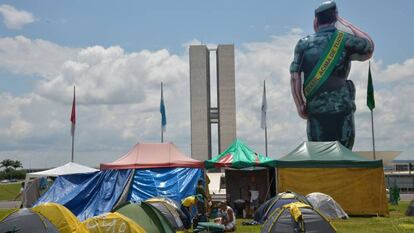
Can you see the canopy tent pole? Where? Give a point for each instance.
(373, 137)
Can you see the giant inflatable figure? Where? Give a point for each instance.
(320, 69)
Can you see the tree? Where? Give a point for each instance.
(7, 164)
(17, 164)
(10, 166)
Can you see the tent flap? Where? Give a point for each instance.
(90, 194)
(174, 183)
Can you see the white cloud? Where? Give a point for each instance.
(14, 18)
(21, 55)
(118, 96)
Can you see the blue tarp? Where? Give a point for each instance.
(174, 183)
(89, 194)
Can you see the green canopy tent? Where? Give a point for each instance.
(355, 182)
(249, 175)
(239, 155)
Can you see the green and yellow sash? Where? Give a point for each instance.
(325, 65)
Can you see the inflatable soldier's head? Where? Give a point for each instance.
(325, 14)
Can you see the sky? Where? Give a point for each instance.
(118, 52)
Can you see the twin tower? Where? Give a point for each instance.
(202, 114)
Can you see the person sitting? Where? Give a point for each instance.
(227, 219)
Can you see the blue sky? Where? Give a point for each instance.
(65, 40)
(137, 25)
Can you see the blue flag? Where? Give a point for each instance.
(162, 111)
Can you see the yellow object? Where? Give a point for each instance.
(294, 209)
(112, 222)
(8, 213)
(189, 201)
(359, 191)
(60, 217)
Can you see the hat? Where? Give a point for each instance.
(325, 6)
(199, 197)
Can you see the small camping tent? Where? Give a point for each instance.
(26, 220)
(49, 217)
(112, 222)
(326, 205)
(356, 183)
(278, 201)
(248, 174)
(410, 209)
(296, 217)
(60, 217)
(184, 214)
(170, 212)
(147, 216)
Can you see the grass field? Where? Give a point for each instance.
(9, 191)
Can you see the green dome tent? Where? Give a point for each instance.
(168, 211)
(239, 155)
(147, 216)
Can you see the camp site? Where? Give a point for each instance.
(143, 191)
(206, 117)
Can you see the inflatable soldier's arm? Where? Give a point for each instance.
(296, 79)
(358, 45)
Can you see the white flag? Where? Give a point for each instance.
(263, 123)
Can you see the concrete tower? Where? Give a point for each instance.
(202, 114)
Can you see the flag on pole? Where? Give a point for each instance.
(73, 114)
(263, 122)
(370, 91)
(162, 111)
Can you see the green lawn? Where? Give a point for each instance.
(397, 222)
(9, 191)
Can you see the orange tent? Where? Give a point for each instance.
(153, 155)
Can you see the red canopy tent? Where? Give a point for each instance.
(153, 155)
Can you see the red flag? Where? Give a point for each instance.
(73, 114)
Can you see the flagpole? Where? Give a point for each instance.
(162, 129)
(372, 129)
(266, 139)
(371, 106)
(73, 146)
(264, 115)
(73, 132)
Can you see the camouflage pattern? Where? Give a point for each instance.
(331, 115)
